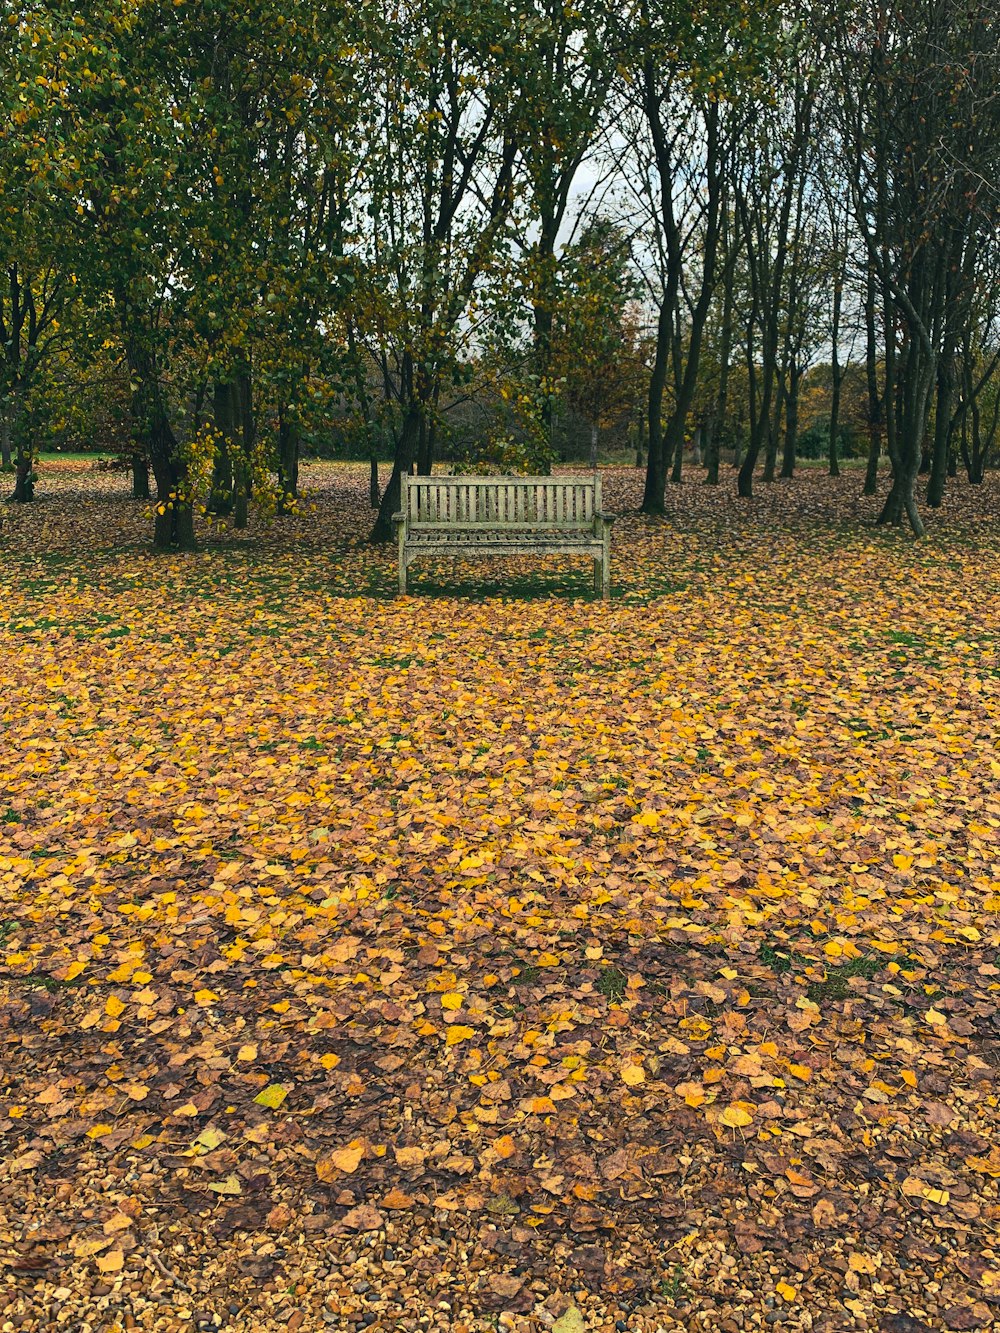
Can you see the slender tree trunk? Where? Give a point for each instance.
(836, 373)
(140, 476)
(744, 480)
(942, 428)
(6, 414)
(423, 449)
(656, 471)
(593, 445)
(718, 418)
(676, 448)
(246, 439)
(406, 446)
(288, 459)
(913, 392)
(874, 397)
(222, 495)
(791, 422)
(640, 440)
(773, 425)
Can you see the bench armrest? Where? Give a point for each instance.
(398, 518)
(605, 518)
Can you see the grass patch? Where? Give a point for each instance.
(612, 982)
(835, 986)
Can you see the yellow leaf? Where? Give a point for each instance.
(230, 1185)
(329, 1060)
(74, 970)
(786, 1292)
(935, 1195)
(348, 1159)
(98, 1131)
(935, 1018)
(548, 960)
(205, 997)
(272, 1096)
(458, 1032)
(504, 1146)
(110, 1262)
(693, 1094)
(802, 1072)
(247, 1053)
(633, 1075)
(735, 1117)
(452, 1000)
(114, 1007)
(908, 1077)
(209, 1139)
(902, 862)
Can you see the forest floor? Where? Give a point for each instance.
(495, 957)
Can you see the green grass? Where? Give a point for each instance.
(612, 983)
(835, 986)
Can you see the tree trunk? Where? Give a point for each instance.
(246, 443)
(771, 453)
(675, 449)
(373, 491)
(6, 414)
(711, 449)
(837, 375)
(424, 448)
(942, 428)
(222, 494)
(791, 422)
(718, 418)
(402, 461)
(140, 477)
(288, 460)
(906, 449)
(874, 397)
(24, 479)
(656, 470)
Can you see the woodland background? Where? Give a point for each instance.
(500, 234)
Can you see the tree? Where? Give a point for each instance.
(440, 186)
(917, 107)
(595, 337)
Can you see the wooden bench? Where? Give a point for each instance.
(504, 516)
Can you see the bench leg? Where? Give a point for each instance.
(402, 573)
(598, 574)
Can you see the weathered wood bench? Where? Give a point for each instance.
(504, 516)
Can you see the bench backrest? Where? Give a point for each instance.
(500, 502)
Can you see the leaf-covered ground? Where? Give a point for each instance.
(494, 957)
